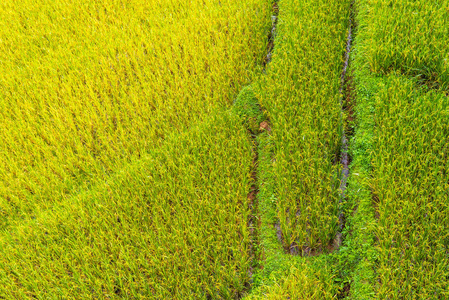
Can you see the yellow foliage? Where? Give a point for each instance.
(88, 85)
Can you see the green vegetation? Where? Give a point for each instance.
(246, 106)
(395, 237)
(400, 151)
(298, 166)
(410, 189)
(357, 254)
(300, 95)
(407, 36)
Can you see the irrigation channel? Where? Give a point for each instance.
(346, 106)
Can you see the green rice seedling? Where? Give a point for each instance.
(247, 107)
(300, 96)
(171, 225)
(87, 86)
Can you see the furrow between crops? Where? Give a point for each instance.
(272, 34)
(252, 203)
(271, 38)
(345, 103)
(347, 114)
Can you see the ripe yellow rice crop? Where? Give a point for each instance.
(172, 225)
(86, 85)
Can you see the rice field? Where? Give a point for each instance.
(88, 85)
(170, 225)
(410, 190)
(418, 46)
(115, 120)
(302, 282)
(193, 149)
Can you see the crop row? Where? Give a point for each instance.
(172, 225)
(86, 86)
(300, 95)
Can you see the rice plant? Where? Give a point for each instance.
(122, 174)
(411, 191)
(407, 35)
(302, 283)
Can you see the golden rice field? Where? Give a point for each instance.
(171, 225)
(195, 149)
(114, 126)
(87, 85)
